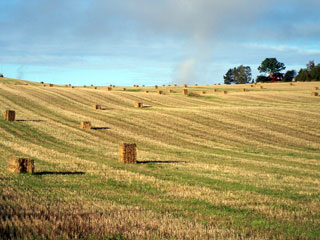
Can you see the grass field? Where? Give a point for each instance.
(244, 165)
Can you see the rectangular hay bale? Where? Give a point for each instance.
(127, 153)
(85, 125)
(185, 91)
(98, 107)
(10, 115)
(21, 165)
(138, 105)
(314, 94)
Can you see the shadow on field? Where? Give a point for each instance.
(30, 120)
(147, 106)
(146, 162)
(58, 173)
(106, 108)
(99, 128)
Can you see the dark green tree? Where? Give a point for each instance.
(229, 77)
(311, 73)
(303, 76)
(262, 78)
(271, 66)
(315, 73)
(238, 75)
(288, 77)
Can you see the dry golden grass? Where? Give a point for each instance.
(234, 166)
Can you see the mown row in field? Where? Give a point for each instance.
(240, 165)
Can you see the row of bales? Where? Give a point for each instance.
(127, 151)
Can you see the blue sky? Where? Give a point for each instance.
(149, 42)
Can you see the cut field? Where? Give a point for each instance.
(210, 166)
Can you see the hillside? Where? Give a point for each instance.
(239, 165)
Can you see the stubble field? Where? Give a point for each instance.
(211, 166)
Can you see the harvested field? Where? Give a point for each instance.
(234, 166)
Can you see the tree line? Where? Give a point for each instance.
(271, 71)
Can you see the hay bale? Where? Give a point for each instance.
(10, 115)
(138, 105)
(169, 85)
(66, 85)
(69, 85)
(84, 86)
(124, 89)
(163, 85)
(174, 85)
(244, 90)
(251, 85)
(219, 84)
(170, 91)
(109, 88)
(156, 87)
(41, 82)
(196, 85)
(97, 107)
(261, 87)
(160, 92)
(314, 94)
(291, 84)
(85, 125)
(224, 92)
(72, 87)
(185, 91)
(203, 92)
(315, 88)
(95, 88)
(91, 85)
(21, 165)
(127, 153)
(185, 85)
(50, 85)
(146, 91)
(214, 90)
(142, 85)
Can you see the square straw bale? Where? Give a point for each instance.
(138, 105)
(127, 153)
(10, 115)
(85, 125)
(98, 107)
(21, 165)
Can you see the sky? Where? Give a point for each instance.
(127, 42)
